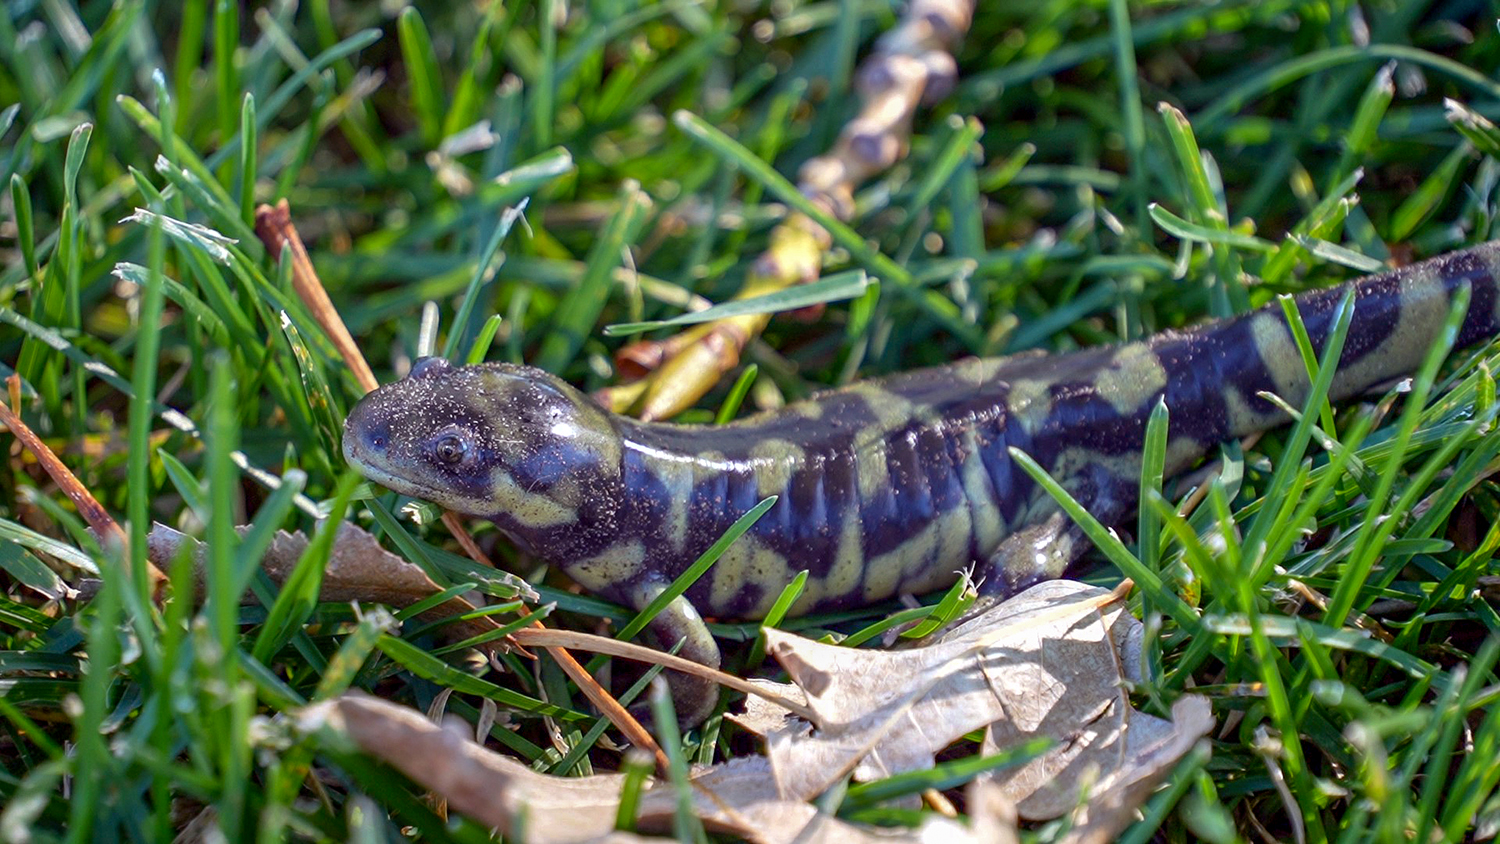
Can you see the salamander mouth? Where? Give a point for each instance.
(370, 463)
(357, 458)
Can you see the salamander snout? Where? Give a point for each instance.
(364, 433)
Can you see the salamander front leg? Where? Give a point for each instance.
(1035, 553)
(694, 698)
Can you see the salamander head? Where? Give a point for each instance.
(506, 442)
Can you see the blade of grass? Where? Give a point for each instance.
(299, 594)
(696, 570)
(482, 271)
(1374, 531)
(226, 75)
(1256, 537)
(736, 395)
(426, 81)
(429, 667)
(1130, 107)
(1153, 471)
(1148, 581)
(883, 268)
(834, 288)
(143, 383)
(245, 180)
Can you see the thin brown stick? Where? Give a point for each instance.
(597, 694)
(103, 524)
(455, 525)
(274, 227)
(641, 653)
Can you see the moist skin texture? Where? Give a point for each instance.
(888, 486)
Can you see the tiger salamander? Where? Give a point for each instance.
(884, 487)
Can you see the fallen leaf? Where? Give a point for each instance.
(1113, 801)
(762, 716)
(1046, 657)
(358, 570)
(737, 798)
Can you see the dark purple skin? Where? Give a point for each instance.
(889, 486)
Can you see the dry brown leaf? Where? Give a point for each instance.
(1050, 662)
(1113, 802)
(358, 570)
(494, 790)
(762, 716)
(885, 712)
(738, 797)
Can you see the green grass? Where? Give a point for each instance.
(1048, 203)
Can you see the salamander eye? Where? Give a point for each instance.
(451, 449)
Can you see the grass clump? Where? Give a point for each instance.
(1343, 567)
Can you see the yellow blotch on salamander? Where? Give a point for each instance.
(1279, 355)
(1030, 404)
(528, 508)
(747, 562)
(891, 411)
(774, 461)
(871, 471)
(617, 564)
(849, 558)
(885, 574)
(1424, 308)
(988, 524)
(677, 481)
(1132, 380)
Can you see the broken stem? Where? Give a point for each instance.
(275, 229)
(640, 653)
(109, 532)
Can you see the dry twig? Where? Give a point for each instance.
(100, 521)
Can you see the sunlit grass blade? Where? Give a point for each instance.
(696, 570)
(480, 349)
(1424, 201)
(834, 288)
(294, 604)
(226, 73)
(943, 776)
(422, 69)
(1478, 129)
(1179, 227)
(482, 270)
(429, 667)
(736, 396)
(1153, 470)
(1286, 468)
(1373, 531)
(20, 199)
(249, 166)
(254, 542)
